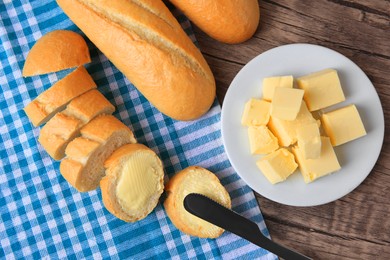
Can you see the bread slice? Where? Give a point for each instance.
(54, 99)
(65, 126)
(194, 179)
(133, 183)
(83, 166)
(55, 51)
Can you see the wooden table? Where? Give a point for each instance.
(356, 226)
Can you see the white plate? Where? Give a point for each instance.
(357, 158)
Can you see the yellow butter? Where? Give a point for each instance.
(256, 112)
(261, 140)
(138, 181)
(269, 85)
(286, 103)
(285, 130)
(277, 166)
(309, 140)
(343, 125)
(322, 89)
(313, 169)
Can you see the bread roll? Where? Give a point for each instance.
(83, 166)
(133, 183)
(194, 179)
(146, 43)
(54, 99)
(65, 126)
(55, 51)
(229, 21)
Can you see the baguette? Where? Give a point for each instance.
(194, 179)
(83, 166)
(229, 21)
(55, 99)
(144, 41)
(55, 51)
(133, 183)
(65, 126)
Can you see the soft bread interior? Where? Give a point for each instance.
(194, 180)
(133, 182)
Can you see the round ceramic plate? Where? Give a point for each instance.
(357, 158)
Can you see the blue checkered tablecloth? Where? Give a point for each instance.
(42, 216)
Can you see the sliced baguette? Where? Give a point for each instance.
(55, 99)
(65, 126)
(83, 166)
(146, 43)
(194, 179)
(55, 51)
(133, 183)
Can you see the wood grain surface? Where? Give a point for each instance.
(356, 226)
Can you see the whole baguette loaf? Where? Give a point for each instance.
(146, 43)
(83, 166)
(65, 126)
(54, 99)
(133, 183)
(229, 21)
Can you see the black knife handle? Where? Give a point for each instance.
(211, 211)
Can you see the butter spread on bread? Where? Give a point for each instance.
(194, 179)
(55, 51)
(55, 99)
(83, 166)
(65, 126)
(133, 183)
(145, 41)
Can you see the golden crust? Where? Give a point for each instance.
(174, 78)
(59, 95)
(55, 51)
(174, 207)
(229, 21)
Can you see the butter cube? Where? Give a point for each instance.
(269, 85)
(277, 166)
(286, 103)
(313, 169)
(285, 130)
(343, 125)
(322, 89)
(309, 140)
(256, 112)
(261, 140)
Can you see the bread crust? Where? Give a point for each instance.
(158, 59)
(55, 51)
(108, 183)
(54, 99)
(173, 205)
(228, 21)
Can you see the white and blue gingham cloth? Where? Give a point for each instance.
(42, 216)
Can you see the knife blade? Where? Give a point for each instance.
(211, 211)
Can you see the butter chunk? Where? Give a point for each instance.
(270, 83)
(285, 130)
(261, 140)
(309, 140)
(343, 125)
(313, 169)
(286, 103)
(322, 89)
(277, 166)
(256, 112)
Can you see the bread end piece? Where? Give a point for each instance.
(133, 183)
(55, 51)
(194, 179)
